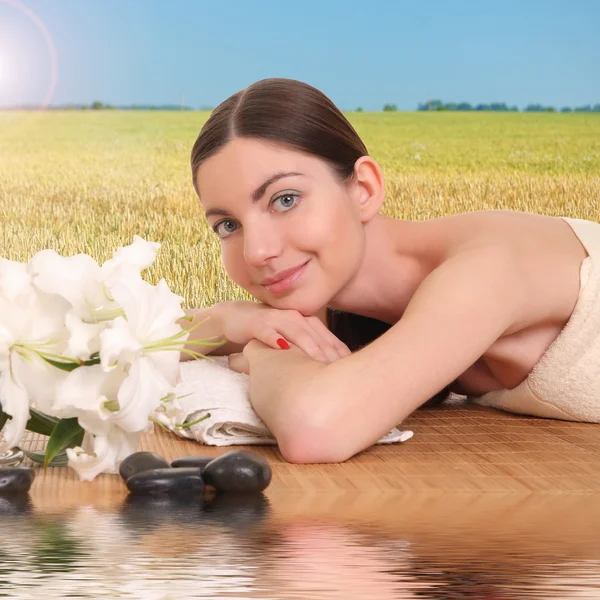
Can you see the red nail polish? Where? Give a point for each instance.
(283, 344)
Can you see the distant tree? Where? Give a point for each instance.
(97, 105)
(359, 109)
(596, 108)
(566, 109)
(390, 107)
(586, 108)
(464, 106)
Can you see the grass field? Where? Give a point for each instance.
(88, 181)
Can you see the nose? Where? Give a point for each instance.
(261, 242)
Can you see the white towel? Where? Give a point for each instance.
(565, 382)
(210, 386)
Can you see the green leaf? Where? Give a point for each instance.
(71, 366)
(60, 460)
(66, 434)
(40, 422)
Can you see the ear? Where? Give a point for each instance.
(368, 187)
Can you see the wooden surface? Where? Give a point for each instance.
(471, 482)
(454, 448)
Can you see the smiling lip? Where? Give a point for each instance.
(284, 283)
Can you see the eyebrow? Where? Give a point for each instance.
(258, 193)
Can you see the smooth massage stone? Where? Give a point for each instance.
(238, 471)
(139, 462)
(14, 480)
(168, 480)
(199, 462)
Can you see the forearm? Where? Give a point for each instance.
(276, 378)
(212, 327)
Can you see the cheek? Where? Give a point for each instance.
(233, 262)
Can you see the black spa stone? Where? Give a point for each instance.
(139, 462)
(168, 480)
(199, 462)
(238, 471)
(14, 480)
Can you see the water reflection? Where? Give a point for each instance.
(294, 547)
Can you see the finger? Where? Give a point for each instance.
(238, 362)
(320, 347)
(291, 332)
(338, 348)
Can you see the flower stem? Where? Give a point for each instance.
(186, 425)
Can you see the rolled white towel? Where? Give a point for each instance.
(210, 386)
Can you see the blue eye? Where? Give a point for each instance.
(286, 196)
(216, 227)
(287, 205)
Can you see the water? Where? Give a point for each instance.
(366, 546)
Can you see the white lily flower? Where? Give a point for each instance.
(15, 403)
(66, 309)
(150, 327)
(32, 329)
(85, 285)
(86, 393)
(170, 413)
(79, 280)
(102, 453)
(148, 342)
(140, 395)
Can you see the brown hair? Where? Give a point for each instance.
(286, 111)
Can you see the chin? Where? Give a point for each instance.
(306, 307)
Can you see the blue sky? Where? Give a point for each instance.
(362, 53)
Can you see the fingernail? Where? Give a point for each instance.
(283, 344)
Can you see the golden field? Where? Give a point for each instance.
(88, 181)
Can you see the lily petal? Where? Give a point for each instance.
(83, 340)
(128, 260)
(102, 454)
(117, 344)
(139, 395)
(15, 403)
(76, 278)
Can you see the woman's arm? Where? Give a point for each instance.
(329, 412)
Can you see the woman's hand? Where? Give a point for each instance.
(238, 362)
(253, 350)
(244, 321)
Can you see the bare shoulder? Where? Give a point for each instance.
(545, 251)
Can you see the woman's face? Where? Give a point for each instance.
(275, 209)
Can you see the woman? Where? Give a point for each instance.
(486, 303)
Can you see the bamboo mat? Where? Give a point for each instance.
(455, 448)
